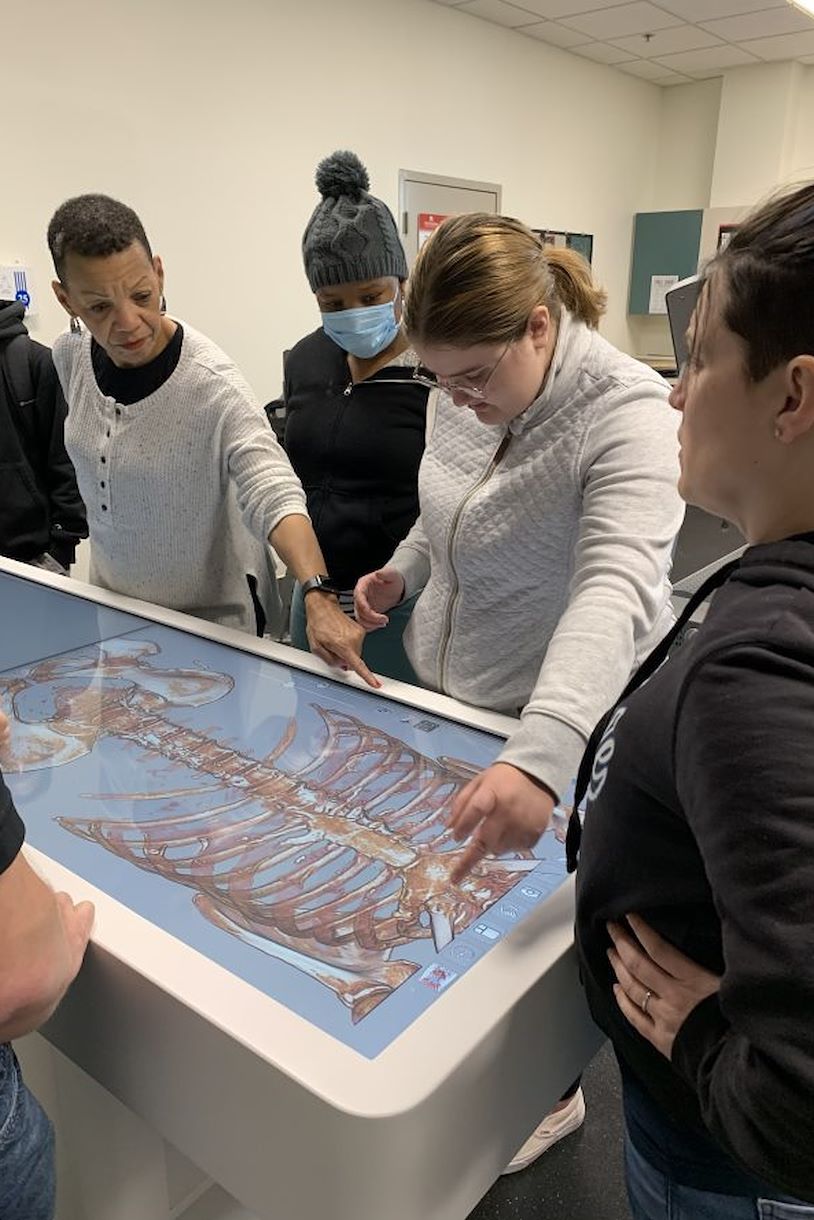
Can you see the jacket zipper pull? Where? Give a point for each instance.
(348, 389)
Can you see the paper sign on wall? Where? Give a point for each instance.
(15, 285)
(660, 285)
(428, 222)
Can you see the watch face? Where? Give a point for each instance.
(323, 583)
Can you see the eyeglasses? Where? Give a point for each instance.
(472, 387)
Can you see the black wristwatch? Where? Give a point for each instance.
(323, 584)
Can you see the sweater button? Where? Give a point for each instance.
(104, 508)
(103, 459)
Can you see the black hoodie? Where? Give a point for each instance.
(702, 822)
(40, 506)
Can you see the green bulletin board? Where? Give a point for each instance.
(664, 243)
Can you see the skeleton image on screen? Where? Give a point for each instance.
(329, 867)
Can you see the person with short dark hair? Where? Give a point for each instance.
(695, 918)
(42, 517)
(184, 482)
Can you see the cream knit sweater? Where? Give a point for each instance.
(545, 574)
(183, 488)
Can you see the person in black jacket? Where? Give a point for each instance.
(42, 517)
(355, 417)
(695, 890)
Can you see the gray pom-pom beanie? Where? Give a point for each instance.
(351, 235)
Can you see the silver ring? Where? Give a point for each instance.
(648, 995)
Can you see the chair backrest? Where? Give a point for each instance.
(276, 409)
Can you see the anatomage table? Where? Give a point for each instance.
(284, 981)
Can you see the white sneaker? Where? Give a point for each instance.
(554, 1127)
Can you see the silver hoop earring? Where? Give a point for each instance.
(162, 305)
(76, 329)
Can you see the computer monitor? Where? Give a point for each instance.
(680, 303)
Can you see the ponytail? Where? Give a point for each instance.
(479, 277)
(575, 287)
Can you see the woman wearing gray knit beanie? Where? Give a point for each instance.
(356, 419)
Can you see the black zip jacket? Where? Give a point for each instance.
(701, 820)
(356, 449)
(40, 506)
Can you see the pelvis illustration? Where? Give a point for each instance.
(329, 867)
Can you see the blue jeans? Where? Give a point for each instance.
(27, 1174)
(653, 1196)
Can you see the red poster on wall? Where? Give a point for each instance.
(428, 222)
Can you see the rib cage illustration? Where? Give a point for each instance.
(329, 866)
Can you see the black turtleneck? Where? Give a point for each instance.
(132, 385)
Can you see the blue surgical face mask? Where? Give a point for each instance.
(363, 332)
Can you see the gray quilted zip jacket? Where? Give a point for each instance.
(543, 550)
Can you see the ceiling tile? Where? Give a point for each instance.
(709, 10)
(497, 11)
(707, 62)
(554, 9)
(449, 3)
(771, 21)
(667, 42)
(624, 19)
(786, 46)
(602, 52)
(556, 35)
(646, 70)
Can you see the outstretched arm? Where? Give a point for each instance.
(332, 636)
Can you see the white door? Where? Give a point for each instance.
(426, 199)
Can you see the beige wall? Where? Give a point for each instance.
(756, 131)
(688, 137)
(209, 118)
(688, 132)
(802, 154)
(725, 145)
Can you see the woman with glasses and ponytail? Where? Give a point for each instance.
(356, 418)
(548, 513)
